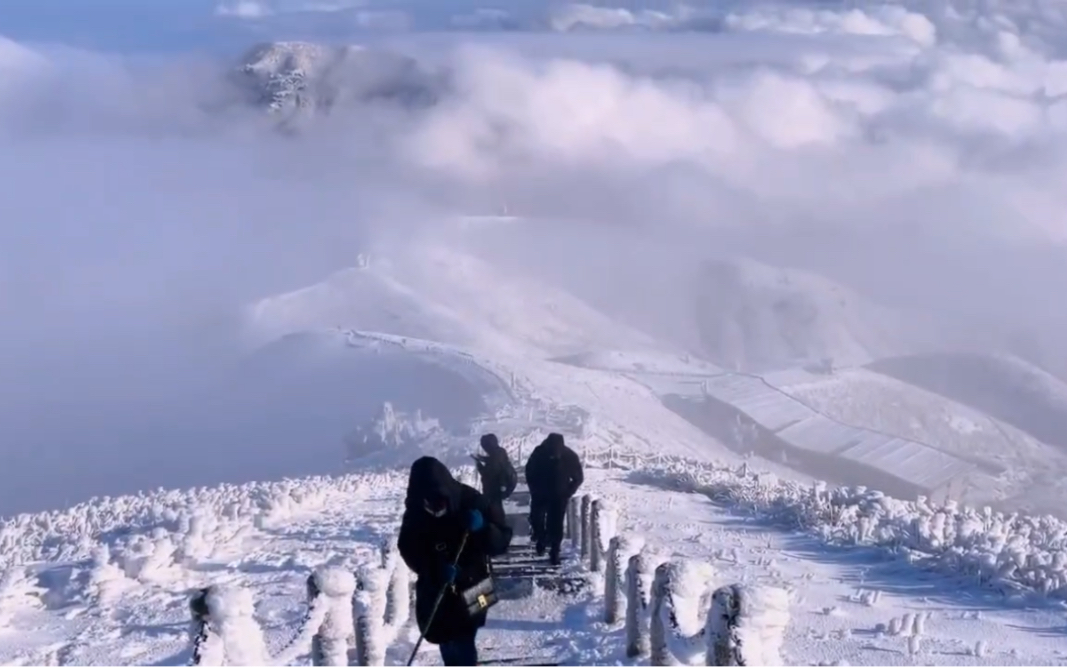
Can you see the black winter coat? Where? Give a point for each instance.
(428, 544)
(497, 473)
(554, 470)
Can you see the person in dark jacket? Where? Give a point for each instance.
(553, 474)
(438, 512)
(496, 471)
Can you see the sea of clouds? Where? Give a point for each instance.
(144, 198)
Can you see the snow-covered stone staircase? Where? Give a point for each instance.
(520, 569)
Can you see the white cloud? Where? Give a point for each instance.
(258, 9)
(592, 17)
(142, 202)
(244, 9)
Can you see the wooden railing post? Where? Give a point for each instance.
(574, 527)
(636, 606)
(398, 595)
(594, 537)
(677, 622)
(221, 612)
(620, 549)
(746, 625)
(723, 644)
(657, 631)
(313, 593)
(584, 537)
(330, 643)
(207, 646)
(369, 603)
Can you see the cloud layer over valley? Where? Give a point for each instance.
(148, 199)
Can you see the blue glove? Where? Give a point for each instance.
(475, 521)
(451, 571)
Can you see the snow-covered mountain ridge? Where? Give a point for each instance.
(508, 322)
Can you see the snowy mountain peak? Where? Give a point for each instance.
(290, 75)
(282, 70)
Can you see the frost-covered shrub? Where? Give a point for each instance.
(150, 532)
(1006, 551)
(391, 430)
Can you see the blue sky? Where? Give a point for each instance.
(123, 25)
(165, 26)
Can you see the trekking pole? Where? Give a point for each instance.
(437, 602)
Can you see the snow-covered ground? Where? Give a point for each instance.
(129, 604)
(443, 292)
(445, 328)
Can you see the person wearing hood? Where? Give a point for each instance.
(553, 475)
(496, 471)
(439, 512)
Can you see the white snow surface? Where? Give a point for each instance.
(869, 579)
(954, 577)
(441, 292)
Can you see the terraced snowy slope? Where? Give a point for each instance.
(1017, 463)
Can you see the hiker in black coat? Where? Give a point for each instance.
(553, 474)
(498, 475)
(438, 512)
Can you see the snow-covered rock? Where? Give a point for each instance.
(287, 77)
(392, 432)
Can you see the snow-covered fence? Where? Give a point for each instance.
(350, 619)
(746, 625)
(637, 605)
(1009, 552)
(334, 587)
(590, 527)
(223, 629)
(381, 605)
(621, 549)
(587, 503)
(573, 527)
(607, 456)
(674, 616)
(680, 590)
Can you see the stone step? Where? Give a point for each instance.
(521, 498)
(514, 588)
(520, 524)
(563, 585)
(522, 574)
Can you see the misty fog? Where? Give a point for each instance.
(145, 203)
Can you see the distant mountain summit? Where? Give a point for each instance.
(298, 77)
